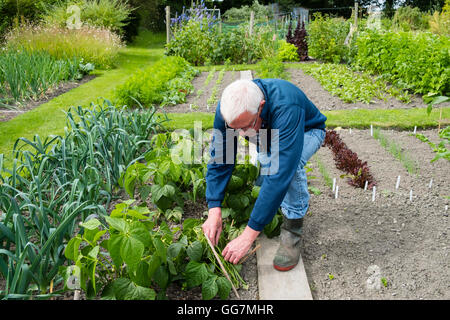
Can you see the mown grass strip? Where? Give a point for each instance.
(402, 119)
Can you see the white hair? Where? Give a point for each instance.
(238, 97)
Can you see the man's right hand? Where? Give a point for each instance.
(212, 228)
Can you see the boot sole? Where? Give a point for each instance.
(284, 268)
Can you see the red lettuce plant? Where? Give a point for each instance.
(348, 161)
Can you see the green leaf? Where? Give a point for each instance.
(116, 223)
(125, 289)
(161, 249)
(161, 276)
(235, 183)
(72, 248)
(144, 191)
(114, 248)
(141, 277)
(195, 251)
(158, 192)
(108, 292)
(255, 191)
(94, 252)
(224, 287)
(91, 224)
(153, 265)
(136, 214)
(131, 251)
(196, 273)
(138, 231)
(209, 288)
(174, 250)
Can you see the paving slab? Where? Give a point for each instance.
(278, 285)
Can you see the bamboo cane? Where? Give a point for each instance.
(249, 254)
(222, 267)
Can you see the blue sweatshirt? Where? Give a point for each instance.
(287, 109)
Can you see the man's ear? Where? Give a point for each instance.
(261, 105)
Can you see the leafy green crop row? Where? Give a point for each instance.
(350, 86)
(168, 81)
(418, 61)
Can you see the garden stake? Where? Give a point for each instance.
(250, 253)
(350, 130)
(373, 193)
(371, 130)
(221, 266)
(365, 185)
(410, 196)
(398, 182)
(334, 184)
(431, 183)
(336, 195)
(415, 127)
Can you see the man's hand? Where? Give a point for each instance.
(237, 248)
(212, 228)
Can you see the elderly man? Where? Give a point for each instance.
(298, 126)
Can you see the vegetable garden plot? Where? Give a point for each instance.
(387, 249)
(198, 102)
(325, 101)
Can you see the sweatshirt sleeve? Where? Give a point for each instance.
(290, 134)
(219, 168)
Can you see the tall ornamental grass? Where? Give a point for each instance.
(98, 46)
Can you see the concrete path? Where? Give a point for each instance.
(277, 285)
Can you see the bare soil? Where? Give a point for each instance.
(351, 244)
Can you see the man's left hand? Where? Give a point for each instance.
(237, 248)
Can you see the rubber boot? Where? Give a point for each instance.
(288, 252)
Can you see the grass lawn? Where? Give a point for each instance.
(49, 118)
(403, 119)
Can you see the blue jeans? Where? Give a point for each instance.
(296, 201)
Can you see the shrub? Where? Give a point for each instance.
(168, 81)
(408, 18)
(326, 38)
(99, 46)
(287, 51)
(271, 67)
(417, 61)
(111, 14)
(440, 22)
(243, 13)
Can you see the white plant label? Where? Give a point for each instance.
(398, 182)
(74, 21)
(337, 190)
(431, 183)
(374, 193)
(334, 184)
(365, 185)
(410, 196)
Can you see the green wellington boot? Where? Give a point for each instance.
(288, 252)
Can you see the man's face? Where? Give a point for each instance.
(247, 123)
